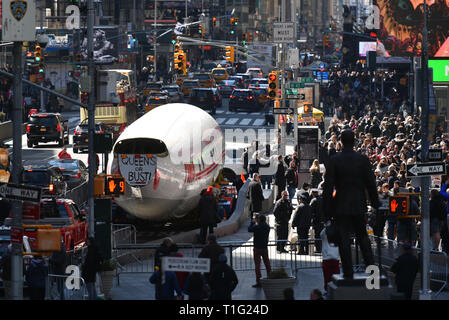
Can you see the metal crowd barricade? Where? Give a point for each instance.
(139, 258)
(56, 286)
(123, 234)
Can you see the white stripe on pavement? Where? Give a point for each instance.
(232, 121)
(259, 122)
(245, 122)
(220, 111)
(220, 120)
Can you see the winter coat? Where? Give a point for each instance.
(212, 251)
(92, 265)
(279, 178)
(261, 234)
(292, 177)
(282, 211)
(316, 178)
(58, 261)
(303, 217)
(208, 210)
(166, 290)
(255, 195)
(223, 280)
(37, 273)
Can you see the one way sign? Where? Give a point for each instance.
(432, 155)
(425, 169)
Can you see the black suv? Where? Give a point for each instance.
(81, 133)
(205, 98)
(47, 177)
(45, 127)
(243, 99)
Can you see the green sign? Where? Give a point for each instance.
(440, 70)
(297, 85)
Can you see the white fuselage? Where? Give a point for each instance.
(167, 157)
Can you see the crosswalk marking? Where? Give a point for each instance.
(259, 122)
(220, 120)
(245, 122)
(232, 121)
(220, 111)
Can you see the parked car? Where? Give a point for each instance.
(81, 134)
(47, 127)
(206, 79)
(243, 99)
(174, 93)
(152, 86)
(154, 102)
(208, 66)
(241, 67)
(204, 98)
(226, 87)
(218, 96)
(47, 177)
(74, 171)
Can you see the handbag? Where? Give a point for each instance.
(332, 233)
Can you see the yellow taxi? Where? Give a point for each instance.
(220, 74)
(188, 84)
(154, 102)
(206, 80)
(152, 86)
(261, 94)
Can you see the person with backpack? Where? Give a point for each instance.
(223, 280)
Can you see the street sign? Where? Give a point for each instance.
(16, 235)
(294, 94)
(440, 70)
(283, 111)
(321, 66)
(114, 186)
(399, 205)
(432, 155)
(297, 85)
(20, 192)
(284, 32)
(425, 169)
(182, 264)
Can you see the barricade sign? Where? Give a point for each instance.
(185, 264)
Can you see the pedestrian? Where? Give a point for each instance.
(351, 176)
(316, 295)
(330, 259)
(255, 164)
(163, 251)
(180, 275)
(36, 277)
(197, 286)
(255, 196)
(316, 205)
(261, 231)
(279, 179)
(212, 251)
(405, 268)
(91, 266)
(304, 191)
(302, 220)
(437, 209)
(315, 174)
(291, 176)
(166, 290)
(223, 280)
(6, 272)
(208, 210)
(245, 162)
(282, 212)
(64, 154)
(58, 262)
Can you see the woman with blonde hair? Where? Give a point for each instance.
(315, 174)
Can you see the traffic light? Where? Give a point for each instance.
(236, 21)
(214, 21)
(200, 29)
(399, 205)
(244, 38)
(79, 57)
(232, 31)
(257, 32)
(326, 41)
(272, 85)
(38, 53)
(232, 21)
(174, 38)
(230, 54)
(250, 37)
(41, 68)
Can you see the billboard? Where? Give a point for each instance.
(401, 24)
(440, 70)
(106, 44)
(365, 46)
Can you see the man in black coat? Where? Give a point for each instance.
(255, 196)
(292, 179)
(261, 231)
(91, 266)
(207, 209)
(282, 212)
(316, 205)
(302, 221)
(350, 174)
(406, 267)
(279, 179)
(223, 280)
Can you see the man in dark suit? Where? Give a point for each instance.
(350, 173)
(282, 212)
(255, 195)
(279, 179)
